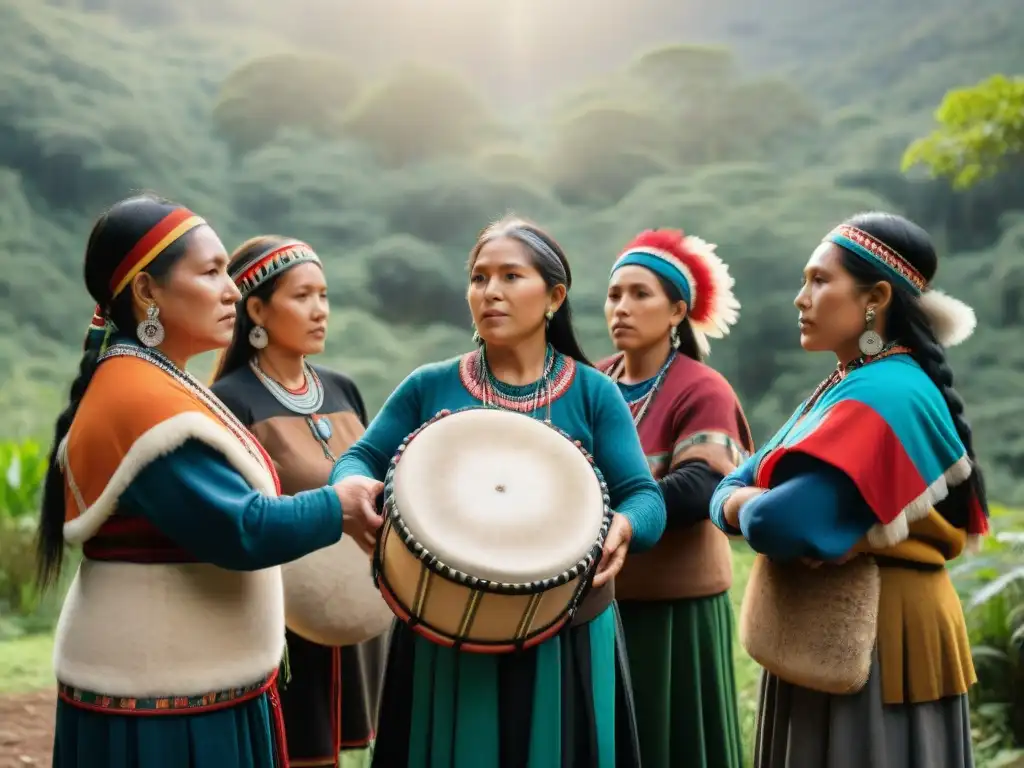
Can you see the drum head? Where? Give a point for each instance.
(499, 495)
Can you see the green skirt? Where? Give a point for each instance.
(240, 736)
(684, 682)
(564, 703)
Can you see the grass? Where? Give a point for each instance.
(26, 664)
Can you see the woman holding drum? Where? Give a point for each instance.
(502, 514)
(866, 656)
(667, 294)
(305, 416)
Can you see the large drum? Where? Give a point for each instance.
(330, 597)
(494, 525)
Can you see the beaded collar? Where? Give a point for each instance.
(559, 373)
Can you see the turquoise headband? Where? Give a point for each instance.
(877, 253)
(659, 266)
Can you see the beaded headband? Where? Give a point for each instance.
(271, 264)
(871, 249)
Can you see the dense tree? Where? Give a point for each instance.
(980, 133)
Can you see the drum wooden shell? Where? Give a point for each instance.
(455, 608)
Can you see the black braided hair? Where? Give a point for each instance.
(113, 236)
(907, 323)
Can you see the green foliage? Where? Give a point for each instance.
(22, 470)
(391, 173)
(981, 130)
(283, 91)
(419, 113)
(991, 586)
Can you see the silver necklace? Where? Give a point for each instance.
(306, 403)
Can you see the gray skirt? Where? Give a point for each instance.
(801, 728)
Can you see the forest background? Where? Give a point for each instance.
(386, 133)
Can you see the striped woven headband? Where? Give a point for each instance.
(153, 243)
(272, 263)
(871, 249)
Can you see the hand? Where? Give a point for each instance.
(359, 517)
(616, 545)
(735, 502)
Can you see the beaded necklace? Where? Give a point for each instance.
(524, 403)
(306, 404)
(639, 406)
(843, 370)
(198, 390)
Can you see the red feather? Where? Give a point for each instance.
(672, 242)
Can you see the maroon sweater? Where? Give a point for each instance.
(693, 410)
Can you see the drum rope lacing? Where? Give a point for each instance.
(306, 404)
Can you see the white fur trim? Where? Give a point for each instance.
(952, 320)
(883, 536)
(158, 441)
(137, 630)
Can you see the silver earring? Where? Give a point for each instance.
(476, 336)
(549, 315)
(151, 331)
(673, 336)
(258, 337)
(870, 343)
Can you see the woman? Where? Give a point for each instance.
(668, 292)
(879, 460)
(304, 416)
(565, 702)
(168, 643)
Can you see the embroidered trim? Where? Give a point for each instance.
(863, 244)
(737, 454)
(164, 705)
(273, 263)
(561, 379)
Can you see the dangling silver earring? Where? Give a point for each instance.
(870, 343)
(476, 336)
(258, 337)
(151, 331)
(549, 315)
(673, 336)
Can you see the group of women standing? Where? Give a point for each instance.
(188, 501)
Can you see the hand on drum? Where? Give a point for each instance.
(616, 545)
(359, 516)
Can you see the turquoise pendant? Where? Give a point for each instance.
(323, 428)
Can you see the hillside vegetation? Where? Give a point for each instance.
(758, 135)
